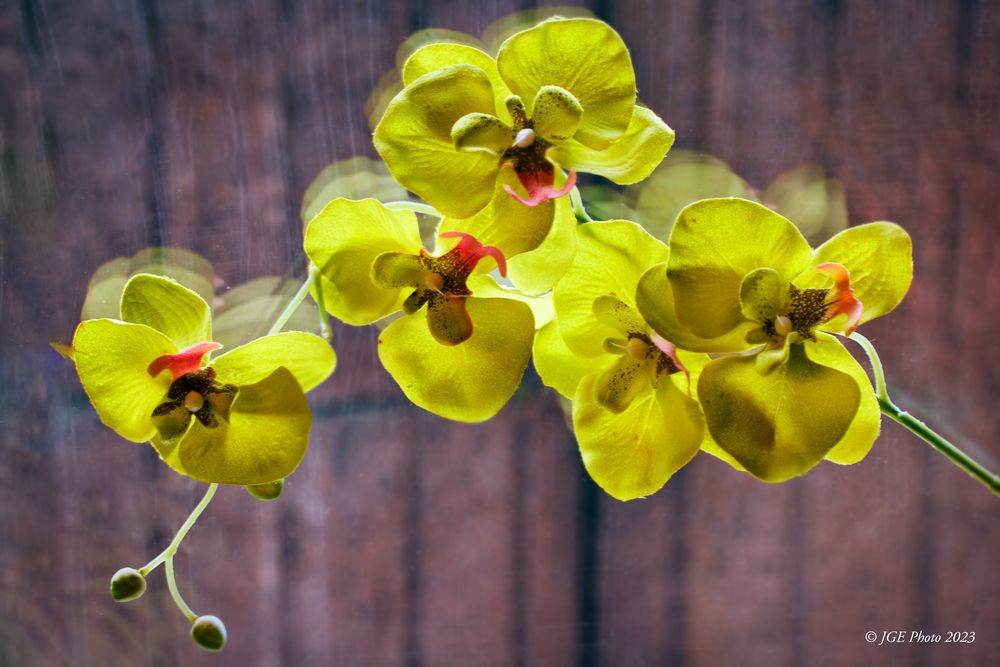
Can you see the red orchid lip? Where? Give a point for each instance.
(184, 362)
(471, 251)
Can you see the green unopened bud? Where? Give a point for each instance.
(269, 491)
(127, 584)
(209, 632)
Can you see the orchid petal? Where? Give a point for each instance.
(556, 114)
(879, 257)
(414, 138)
(763, 295)
(111, 359)
(537, 270)
(264, 440)
(615, 313)
(582, 56)
(864, 429)
(633, 453)
(778, 425)
(610, 258)
(713, 245)
(169, 307)
(505, 223)
(617, 386)
(540, 304)
(556, 364)
(434, 57)
(654, 299)
(481, 132)
(309, 359)
(343, 241)
(468, 382)
(399, 270)
(629, 159)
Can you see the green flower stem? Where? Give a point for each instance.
(415, 206)
(176, 594)
(292, 305)
(324, 324)
(576, 199)
(171, 549)
(917, 427)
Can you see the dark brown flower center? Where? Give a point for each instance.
(195, 394)
(807, 309)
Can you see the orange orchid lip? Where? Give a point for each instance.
(843, 299)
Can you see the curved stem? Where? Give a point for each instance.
(415, 206)
(176, 594)
(576, 199)
(917, 427)
(292, 305)
(171, 549)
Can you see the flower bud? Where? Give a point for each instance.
(127, 584)
(209, 632)
(268, 492)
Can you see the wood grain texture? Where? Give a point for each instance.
(408, 540)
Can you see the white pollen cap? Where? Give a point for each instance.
(193, 401)
(525, 138)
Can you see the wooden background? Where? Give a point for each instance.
(408, 540)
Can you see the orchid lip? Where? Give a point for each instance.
(843, 299)
(439, 282)
(183, 362)
(538, 190)
(670, 350)
(471, 250)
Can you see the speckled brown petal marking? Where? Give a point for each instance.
(440, 282)
(807, 309)
(811, 307)
(196, 394)
(641, 359)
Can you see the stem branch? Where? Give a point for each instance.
(176, 594)
(292, 305)
(171, 549)
(917, 427)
